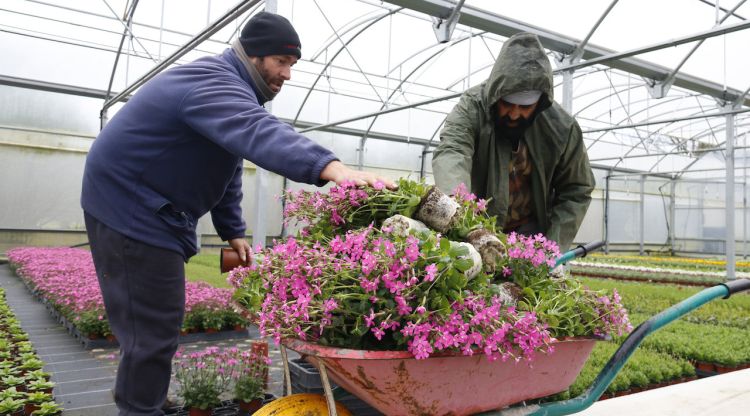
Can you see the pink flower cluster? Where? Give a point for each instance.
(494, 329)
(461, 195)
(67, 278)
(309, 207)
(307, 285)
(536, 249)
(206, 375)
(613, 315)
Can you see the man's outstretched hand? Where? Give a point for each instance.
(339, 173)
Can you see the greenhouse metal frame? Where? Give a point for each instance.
(660, 139)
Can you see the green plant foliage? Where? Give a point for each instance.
(651, 299)
(48, 409)
(9, 406)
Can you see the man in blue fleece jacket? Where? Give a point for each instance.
(173, 153)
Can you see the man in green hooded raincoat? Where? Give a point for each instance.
(508, 140)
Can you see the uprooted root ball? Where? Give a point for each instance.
(439, 211)
(488, 246)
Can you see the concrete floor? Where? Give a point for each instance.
(85, 377)
(723, 395)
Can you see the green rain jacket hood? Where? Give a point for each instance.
(472, 152)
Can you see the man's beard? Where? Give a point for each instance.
(513, 133)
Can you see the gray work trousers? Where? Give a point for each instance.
(144, 294)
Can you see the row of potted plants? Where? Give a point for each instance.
(207, 378)
(25, 389)
(646, 274)
(669, 262)
(650, 299)
(713, 344)
(65, 279)
(645, 369)
(714, 335)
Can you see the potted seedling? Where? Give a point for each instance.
(11, 407)
(34, 401)
(48, 409)
(24, 346)
(41, 385)
(31, 364)
(12, 381)
(39, 375)
(249, 388)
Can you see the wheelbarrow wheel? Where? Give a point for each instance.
(308, 404)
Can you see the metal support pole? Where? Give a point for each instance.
(672, 215)
(260, 196)
(730, 198)
(606, 215)
(744, 201)
(643, 213)
(443, 28)
(568, 91)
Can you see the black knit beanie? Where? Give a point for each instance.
(270, 34)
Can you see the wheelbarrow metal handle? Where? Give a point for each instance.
(580, 251)
(628, 347)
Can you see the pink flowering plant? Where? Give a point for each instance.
(206, 376)
(343, 282)
(66, 279)
(250, 376)
(347, 207)
(203, 376)
(568, 308)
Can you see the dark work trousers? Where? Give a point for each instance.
(144, 294)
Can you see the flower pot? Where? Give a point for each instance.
(211, 330)
(111, 338)
(30, 408)
(721, 369)
(194, 411)
(47, 390)
(250, 407)
(229, 259)
(707, 367)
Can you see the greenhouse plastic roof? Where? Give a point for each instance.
(655, 84)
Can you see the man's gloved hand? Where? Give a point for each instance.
(489, 247)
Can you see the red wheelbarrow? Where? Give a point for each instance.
(396, 383)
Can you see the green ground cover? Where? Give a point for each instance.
(205, 267)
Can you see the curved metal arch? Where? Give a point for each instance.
(662, 157)
(625, 156)
(712, 130)
(577, 113)
(375, 19)
(490, 64)
(450, 86)
(353, 24)
(363, 140)
(685, 169)
(434, 45)
(630, 115)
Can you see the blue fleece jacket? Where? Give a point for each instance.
(174, 152)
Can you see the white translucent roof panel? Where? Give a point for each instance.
(361, 57)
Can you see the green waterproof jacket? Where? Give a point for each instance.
(470, 152)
